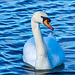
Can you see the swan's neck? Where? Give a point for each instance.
(42, 56)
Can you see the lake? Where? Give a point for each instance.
(15, 30)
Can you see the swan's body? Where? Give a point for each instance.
(42, 53)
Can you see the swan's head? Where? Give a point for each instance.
(41, 17)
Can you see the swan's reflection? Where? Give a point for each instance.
(31, 71)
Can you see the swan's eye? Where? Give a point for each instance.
(46, 18)
(47, 22)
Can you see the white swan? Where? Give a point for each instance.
(42, 52)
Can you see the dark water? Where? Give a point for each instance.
(15, 30)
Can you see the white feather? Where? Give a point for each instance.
(42, 52)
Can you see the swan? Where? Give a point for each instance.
(42, 52)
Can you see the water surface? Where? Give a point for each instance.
(15, 30)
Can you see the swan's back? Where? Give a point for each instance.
(55, 52)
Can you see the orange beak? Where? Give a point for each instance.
(48, 25)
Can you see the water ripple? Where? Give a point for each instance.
(15, 30)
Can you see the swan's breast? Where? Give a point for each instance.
(29, 52)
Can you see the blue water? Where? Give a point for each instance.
(15, 30)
